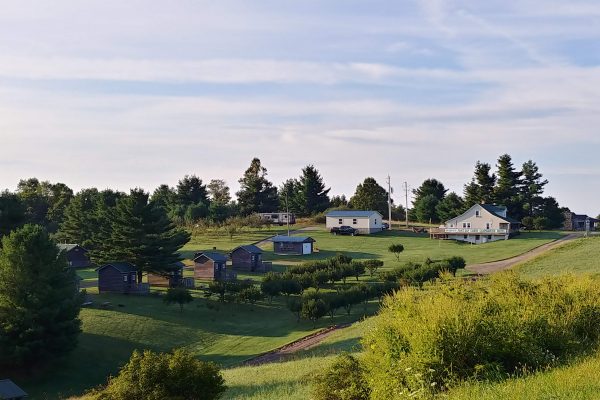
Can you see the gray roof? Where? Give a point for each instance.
(68, 246)
(351, 213)
(213, 255)
(250, 248)
(122, 266)
(8, 390)
(497, 210)
(292, 239)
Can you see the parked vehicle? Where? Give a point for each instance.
(344, 230)
(279, 218)
(385, 226)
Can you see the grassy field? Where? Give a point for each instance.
(223, 333)
(578, 256)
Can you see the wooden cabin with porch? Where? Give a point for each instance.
(293, 245)
(120, 277)
(212, 265)
(173, 278)
(249, 258)
(76, 255)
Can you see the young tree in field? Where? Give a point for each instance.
(178, 295)
(312, 196)
(219, 191)
(396, 250)
(39, 303)
(508, 184)
(156, 376)
(256, 194)
(532, 187)
(369, 195)
(451, 206)
(143, 235)
(372, 266)
(481, 188)
(313, 310)
(12, 212)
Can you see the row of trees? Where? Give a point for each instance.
(520, 190)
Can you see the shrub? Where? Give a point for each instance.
(343, 380)
(160, 376)
(178, 295)
(313, 309)
(396, 250)
(426, 340)
(456, 263)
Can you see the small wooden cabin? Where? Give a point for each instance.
(174, 278)
(76, 255)
(120, 277)
(212, 265)
(10, 391)
(248, 258)
(293, 245)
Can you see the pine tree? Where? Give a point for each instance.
(191, 190)
(369, 195)
(532, 187)
(481, 188)
(39, 304)
(310, 195)
(424, 203)
(256, 193)
(12, 212)
(506, 191)
(79, 222)
(451, 206)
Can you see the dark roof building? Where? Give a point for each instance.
(212, 265)
(120, 277)
(10, 391)
(292, 245)
(577, 222)
(76, 255)
(248, 258)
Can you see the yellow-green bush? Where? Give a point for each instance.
(425, 340)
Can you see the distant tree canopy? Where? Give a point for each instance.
(256, 194)
(44, 202)
(12, 212)
(369, 195)
(427, 197)
(306, 195)
(39, 303)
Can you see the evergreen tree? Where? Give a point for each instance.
(425, 209)
(39, 304)
(289, 195)
(191, 190)
(256, 193)
(339, 201)
(44, 202)
(143, 235)
(369, 195)
(553, 214)
(219, 191)
(12, 212)
(430, 187)
(532, 187)
(481, 188)
(79, 222)
(164, 196)
(312, 197)
(451, 206)
(506, 191)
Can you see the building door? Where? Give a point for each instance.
(306, 248)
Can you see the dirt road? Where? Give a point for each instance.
(494, 266)
(304, 343)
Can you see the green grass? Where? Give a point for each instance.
(578, 381)
(224, 333)
(579, 256)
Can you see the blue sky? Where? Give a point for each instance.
(138, 93)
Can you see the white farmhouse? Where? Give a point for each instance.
(481, 223)
(364, 221)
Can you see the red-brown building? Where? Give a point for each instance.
(248, 258)
(120, 277)
(212, 265)
(76, 255)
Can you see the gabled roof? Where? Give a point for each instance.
(292, 239)
(351, 213)
(212, 255)
(121, 266)
(178, 264)
(69, 246)
(492, 209)
(9, 390)
(250, 248)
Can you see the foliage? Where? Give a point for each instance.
(165, 376)
(372, 266)
(396, 249)
(481, 187)
(39, 304)
(44, 202)
(307, 194)
(532, 187)
(178, 295)
(219, 191)
(452, 205)
(426, 340)
(313, 309)
(343, 380)
(369, 195)
(256, 193)
(12, 212)
(506, 191)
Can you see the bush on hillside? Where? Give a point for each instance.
(343, 380)
(426, 340)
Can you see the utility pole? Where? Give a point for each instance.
(406, 198)
(287, 211)
(390, 201)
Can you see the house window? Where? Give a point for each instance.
(477, 213)
(375, 222)
(487, 225)
(124, 278)
(477, 237)
(340, 221)
(465, 237)
(489, 237)
(353, 221)
(466, 224)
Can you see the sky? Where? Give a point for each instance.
(136, 93)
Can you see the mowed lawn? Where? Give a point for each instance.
(224, 333)
(579, 256)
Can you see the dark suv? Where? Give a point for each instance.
(344, 230)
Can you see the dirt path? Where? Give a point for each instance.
(304, 343)
(494, 266)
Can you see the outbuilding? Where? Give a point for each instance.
(172, 278)
(364, 221)
(10, 391)
(212, 265)
(120, 277)
(76, 255)
(293, 245)
(248, 258)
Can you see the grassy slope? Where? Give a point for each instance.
(578, 256)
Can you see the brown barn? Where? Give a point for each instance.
(76, 255)
(120, 277)
(292, 245)
(10, 391)
(212, 265)
(249, 258)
